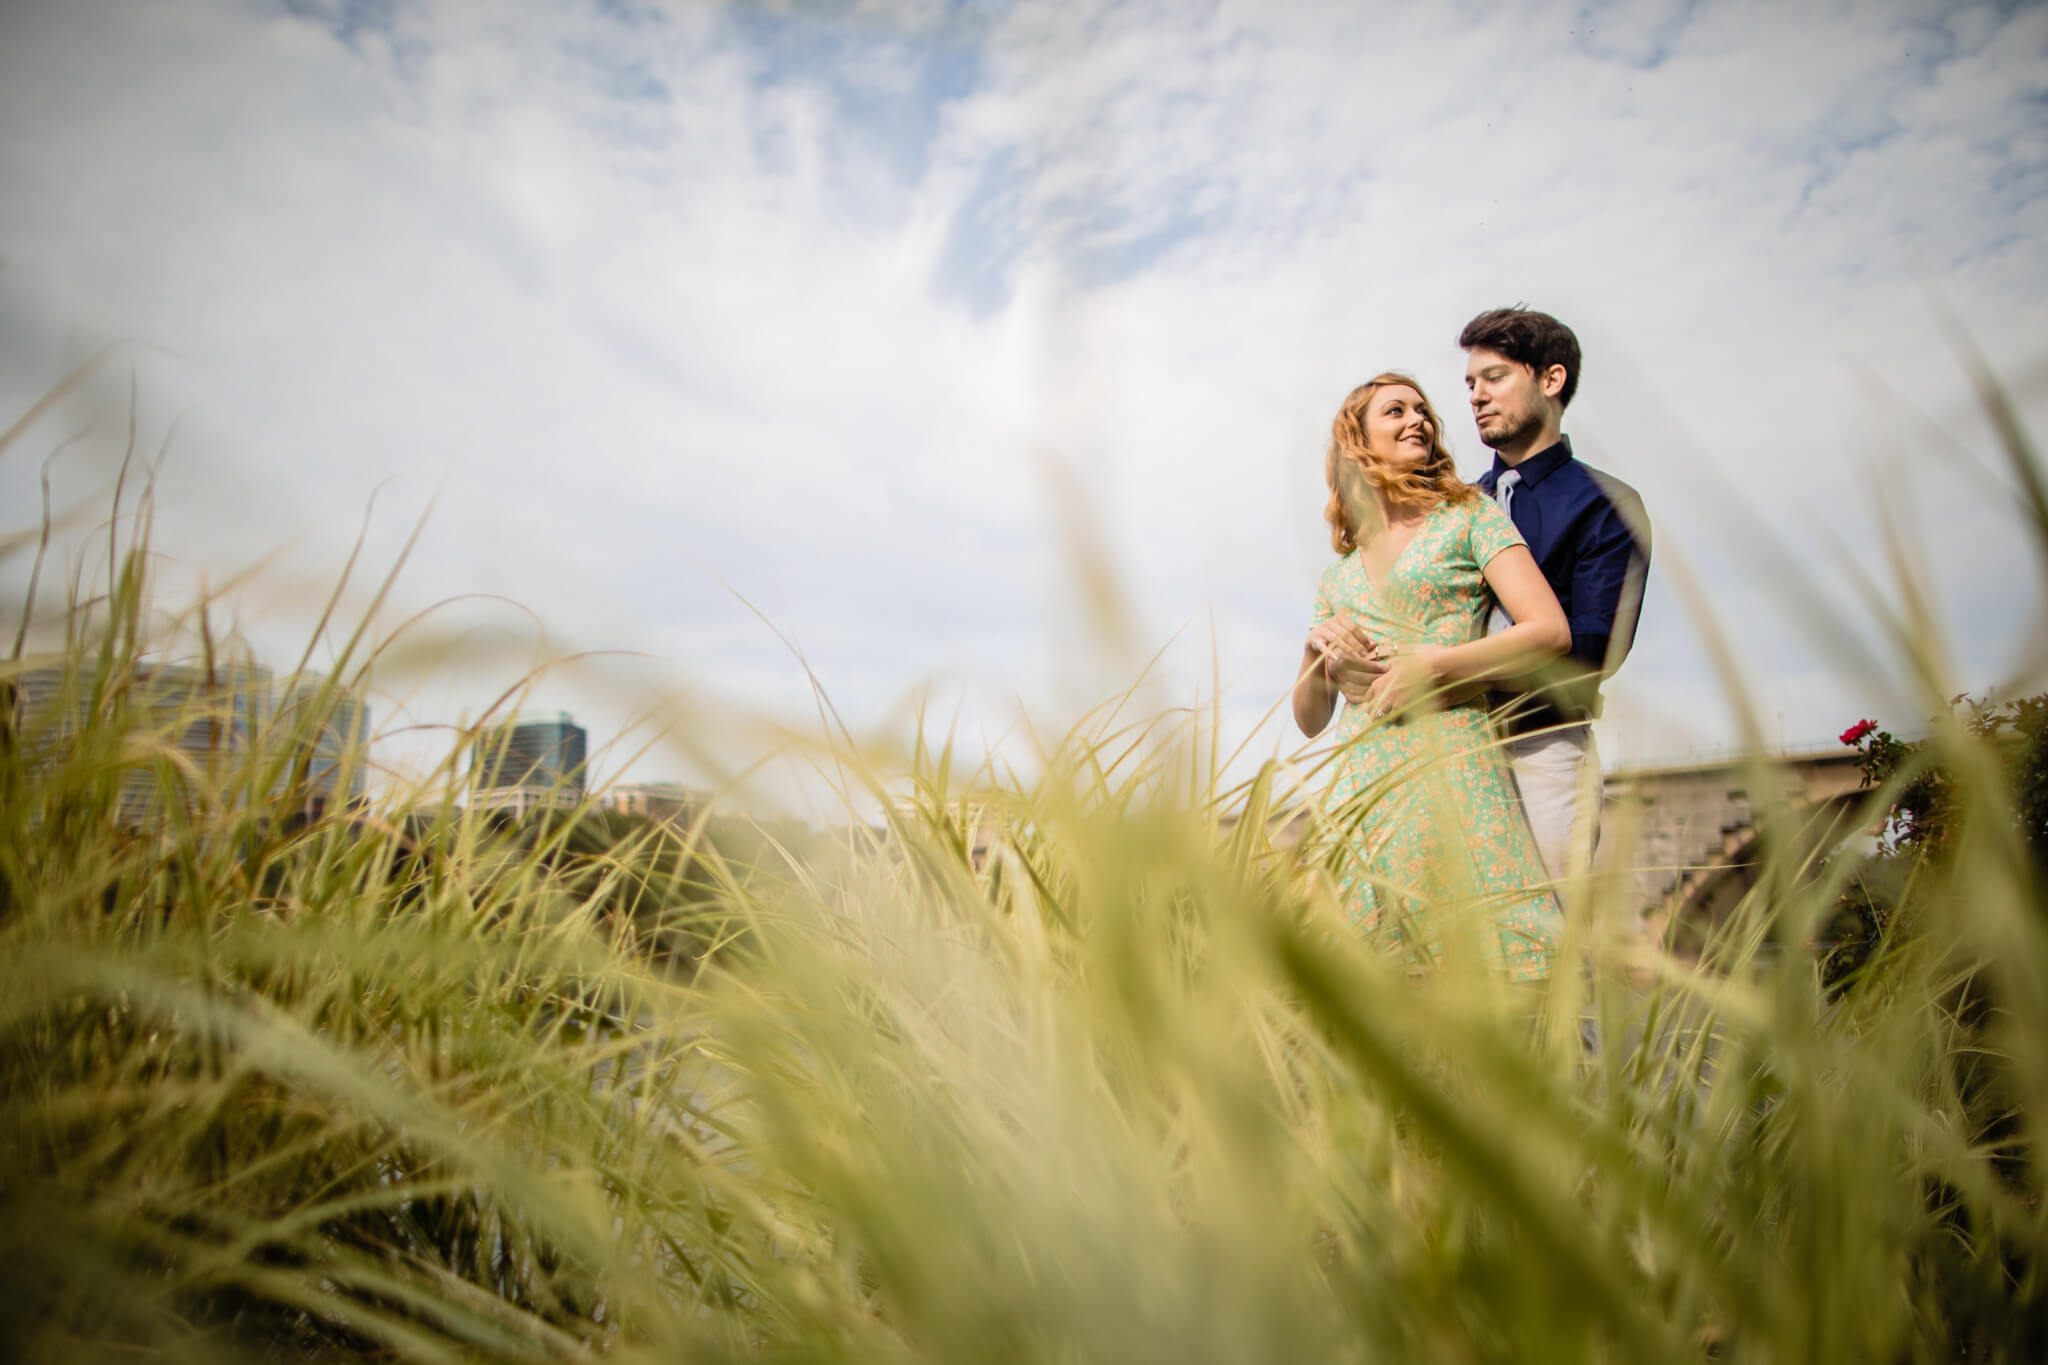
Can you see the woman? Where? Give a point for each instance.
(1422, 792)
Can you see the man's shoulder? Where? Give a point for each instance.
(1616, 490)
(1620, 495)
(1615, 487)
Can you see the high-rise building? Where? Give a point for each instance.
(528, 763)
(201, 717)
(329, 727)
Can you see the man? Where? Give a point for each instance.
(1590, 537)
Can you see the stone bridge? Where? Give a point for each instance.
(1689, 831)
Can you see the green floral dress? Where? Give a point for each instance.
(1425, 803)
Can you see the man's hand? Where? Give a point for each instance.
(1356, 675)
(1408, 676)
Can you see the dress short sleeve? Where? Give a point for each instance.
(1324, 608)
(1492, 531)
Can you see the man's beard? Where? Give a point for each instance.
(1510, 430)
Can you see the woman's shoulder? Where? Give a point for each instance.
(1488, 528)
(1457, 514)
(1335, 583)
(1478, 510)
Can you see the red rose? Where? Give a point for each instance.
(1855, 733)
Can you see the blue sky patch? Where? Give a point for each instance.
(988, 234)
(889, 86)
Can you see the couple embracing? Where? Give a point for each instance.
(1466, 629)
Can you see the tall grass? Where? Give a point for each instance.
(1082, 1068)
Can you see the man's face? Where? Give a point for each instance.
(1508, 399)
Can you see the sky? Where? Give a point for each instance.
(979, 353)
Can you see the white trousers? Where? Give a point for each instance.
(1557, 775)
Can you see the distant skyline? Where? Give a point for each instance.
(864, 316)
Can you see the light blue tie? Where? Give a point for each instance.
(1504, 494)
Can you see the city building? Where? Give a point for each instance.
(529, 763)
(668, 802)
(329, 727)
(199, 718)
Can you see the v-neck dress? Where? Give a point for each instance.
(1431, 826)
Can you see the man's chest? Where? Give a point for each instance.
(1555, 530)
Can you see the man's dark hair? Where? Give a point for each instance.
(1537, 340)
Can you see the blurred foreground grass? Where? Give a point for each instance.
(1088, 1068)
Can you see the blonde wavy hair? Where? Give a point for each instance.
(1350, 464)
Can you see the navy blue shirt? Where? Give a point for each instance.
(1590, 537)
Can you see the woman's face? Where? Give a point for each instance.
(1399, 427)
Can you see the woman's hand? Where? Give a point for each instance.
(1409, 675)
(1355, 675)
(1337, 638)
(1388, 679)
(1350, 658)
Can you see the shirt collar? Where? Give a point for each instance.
(1539, 466)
